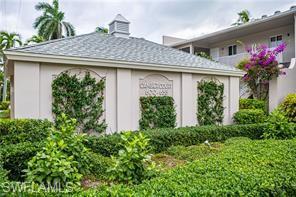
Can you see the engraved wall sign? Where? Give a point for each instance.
(156, 85)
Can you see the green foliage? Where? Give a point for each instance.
(278, 126)
(204, 55)
(242, 63)
(157, 112)
(4, 105)
(16, 156)
(63, 159)
(210, 102)
(249, 116)
(191, 153)
(252, 104)
(52, 166)
(162, 139)
(4, 114)
(51, 24)
(288, 106)
(133, 163)
(81, 99)
(250, 168)
(23, 130)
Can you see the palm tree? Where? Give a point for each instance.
(8, 40)
(35, 39)
(243, 17)
(102, 30)
(51, 24)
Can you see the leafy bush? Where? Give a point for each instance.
(161, 139)
(288, 106)
(81, 99)
(278, 126)
(251, 168)
(52, 166)
(252, 104)
(249, 116)
(63, 158)
(23, 130)
(157, 112)
(210, 102)
(133, 163)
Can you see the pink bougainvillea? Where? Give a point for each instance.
(261, 67)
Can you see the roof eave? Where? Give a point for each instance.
(33, 57)
(231, 29)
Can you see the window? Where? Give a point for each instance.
(187, 49)
(275, 41)
(232, 50)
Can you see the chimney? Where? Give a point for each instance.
(119, 27)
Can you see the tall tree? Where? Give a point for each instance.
(243, 17)
(51, 24)
(8, 40)
(35, 39)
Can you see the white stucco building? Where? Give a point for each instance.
(125, 62)
(228, 46)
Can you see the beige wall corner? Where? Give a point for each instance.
(233, 97)
(26, 89)
(124, 98)
(188, 112)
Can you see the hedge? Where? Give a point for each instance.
(16, 156)
(288, 106)
(161, 139)
(249, 116)
(252, 104)
(247, 168)
(23, 130)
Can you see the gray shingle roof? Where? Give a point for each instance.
(104, 46)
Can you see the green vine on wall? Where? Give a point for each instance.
(157, 112)
(80, 98)
(210, 102)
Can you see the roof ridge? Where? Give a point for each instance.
(49, 42)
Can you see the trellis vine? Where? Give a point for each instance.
(157, 112)
(81, 98)
(210, 102)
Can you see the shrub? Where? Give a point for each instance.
(16, 156)
(251, 168)
(249, 116)
(161, 139)
(288, 106)
(23, 130)
(133, 163)
(63, 159)
(157, 112)
(252, 104)
(210, 102)
(278, 126)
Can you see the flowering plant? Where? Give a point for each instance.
(261, 67)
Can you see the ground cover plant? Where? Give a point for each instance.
(243, 168)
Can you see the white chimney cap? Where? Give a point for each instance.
(119, 27)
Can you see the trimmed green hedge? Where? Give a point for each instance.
(13, 131)
(243, 168)
(252, 104)
(161, 139)
(249, 116)
(16, 156)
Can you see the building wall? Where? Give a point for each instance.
(280, 87)
(261, 38)
(33, 97)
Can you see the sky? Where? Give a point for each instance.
(149, 19)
